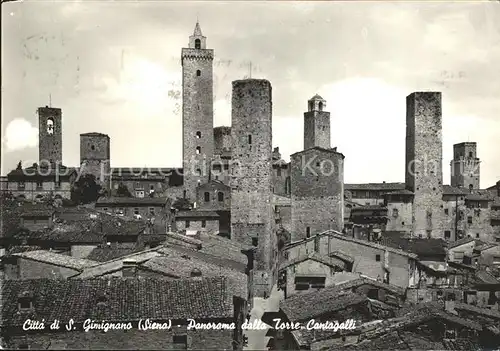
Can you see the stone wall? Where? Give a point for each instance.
(465, 166)
(252, 215)
(424, 159)
(95, 157)
(197, 116)
(316, 129)
(49, 135)
(317, 184)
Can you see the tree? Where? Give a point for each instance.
(123, 191)
(182, 204)
(86, 190)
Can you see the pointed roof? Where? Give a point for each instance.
(197, 30)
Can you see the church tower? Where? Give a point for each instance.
(316, 124)
(197, 112)
(50, 136)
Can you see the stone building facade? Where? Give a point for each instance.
(252, 216)
(424, 157)
(465, 166)
(95, 157)
(317, 186)
(50, 135)
(197, 111)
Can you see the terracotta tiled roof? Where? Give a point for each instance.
(125, 300)
(462, 241)
(42, 172)
(57, 259)
(38, 210)
(451, 190)
(419, 246)
(196, 214)
(133, 201)
(375, 186)
(328, 261)
(107, 253)
(307, 306)
(477, 310)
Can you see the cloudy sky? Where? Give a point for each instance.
(114, 68)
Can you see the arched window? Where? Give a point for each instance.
(197, 44)
(249, 139)
(198, 73)
(321, 106)
(50, 126)
(92, 147)
(198, 150)
(198, 172)
(207, 196)
(198, 135)
(311, 105)
(220, 196)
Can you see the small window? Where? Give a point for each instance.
(152, 211)
(446, 212)
(255, 241)
(470, 154)
(188, 223)
(198, 150)
(136, 210)
(203, 224)
(429, 234)
(469, 220)
(447, 234)
(198, 135)
(377, 258)
(39, 184)
(477, 235)
(184, 194)
(402, 223)
(395, 212)
(92, 147)
(249, 139)
(197, 44)
(279, 171)
(226, 167)
(308, 232)
(198, 172)
(207, 196)
(220, 196)
(198, 73)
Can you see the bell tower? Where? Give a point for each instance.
(316, 124)
(197, 111)
(49, 136)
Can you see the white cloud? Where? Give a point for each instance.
(20, 134)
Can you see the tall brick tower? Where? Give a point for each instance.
(465, 166)
(49, 135)
(252, 217)
(424, 162)
(316, 124)
(95, 157)
(197, 111)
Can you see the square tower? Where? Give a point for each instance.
(317, 189)
(49, 136)
(197, 112)
(424, 157)
(252, 216)
(316, 124)
(95, 157)
(465, 166)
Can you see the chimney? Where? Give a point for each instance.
(129, 268)
(25, 301)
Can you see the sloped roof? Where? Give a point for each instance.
(126, 300)
(328, 261)
(57, 259)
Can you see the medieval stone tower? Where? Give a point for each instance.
(252, 217)
(465, 166)
(316, 124)
(49, 135)
(424, 162)
(197, 111)
(317, 177)
(95, 157)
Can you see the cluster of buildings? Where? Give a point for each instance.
(253, 221)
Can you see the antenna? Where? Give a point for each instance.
(50, 100)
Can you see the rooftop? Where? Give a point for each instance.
(125, 300)
(157, 201)
(375, 186)
(57, 259)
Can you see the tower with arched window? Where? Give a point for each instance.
(316, 124)
(197, 111)
(50, 135)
